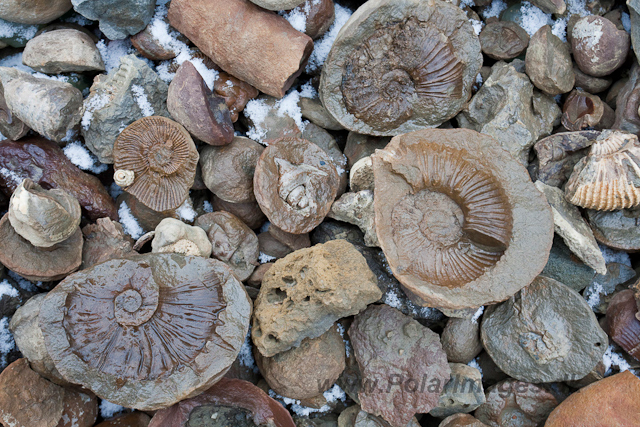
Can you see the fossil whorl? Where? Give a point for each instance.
(399, 66)
(455, 215)
(162, 158)
(147, 331)
(608, 178)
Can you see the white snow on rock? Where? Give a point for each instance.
(80, 156)
(245, 357)
(6, 340)
(494, 10)
(257, 111)
(333, 394)
(612, 358)
(264, 258)
(141, 99)
(24, 283)
(129, 222)
(322, 47)
(186, 211)
(7, 289)
(112, 51)
(109, 410)
(91, 105)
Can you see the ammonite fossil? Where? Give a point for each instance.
(295, 183)
(456, 215)
(400, 65)
(608, 178)
(148, 331)
(163, 159)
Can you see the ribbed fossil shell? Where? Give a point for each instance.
(43, 217)
(455, 216)
(608, 178)
(400, 65)
(163, 159)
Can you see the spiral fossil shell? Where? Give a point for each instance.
(147, 331)
(162, 157)
(399, 66)
(608, 178)
(455, 216)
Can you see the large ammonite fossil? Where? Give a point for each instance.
(400, 65)
(148, 331)
(155, 161)
(458, 218)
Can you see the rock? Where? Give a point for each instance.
(269, 55)
(589, 83)
(308, 370)
(250, 213)
(361, 175)
(463, 392)
(570, 225)
(27, 399)
(327, 142)
(117, 100)
(517, 120)
(277, 243)
(134, 419)
(235, 92)
(45, 163)
(319, 15)
(582, 110)
(147, 218)
(33, 11)
(329, 420)
(532, 336)
(598, 47)
(548, 63)
(616, 229)
(12, 295)
(461, 340)
(516, 403)
(165, 296)
(192, 104)
(461, 420)
(277, 4)
(407, 356)
(10, 126)
(117, 19)
(269, 124)
(603, 286)
(62, 51)
(359, 146)
(313, 110)
(628, 102)
(29, 339)
(614, 399)
(623, 325)
(566, 268)
(103, 241)
(80, 409)
(551, 6)
(634, 10)
(502, 40)
(49, 107)
(174, 236)
(313, 288)
(357, 209)
(354, 416)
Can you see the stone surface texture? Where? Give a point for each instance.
(62, 51)
(548, 63)
(174, 236)
(117, 19)
(463, 392)
(33, 11)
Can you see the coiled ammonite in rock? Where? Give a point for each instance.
(148, 331)
(457, 216)
(400, 65)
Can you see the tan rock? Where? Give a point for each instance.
(62, 51)
(33, 11)
(174, 236)
(548, 63)
(461, 340)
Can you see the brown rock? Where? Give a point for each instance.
(359, 146)
(45, 163)
(254, 45)
(62, 51)
(311, 288)
(403, 354)
(195, 307)
(628, 102)
(623, 325)
(617, 229)
(103, 241)
(354, 416)
(277, 243)
(551, 6)
(612, 401)
(516, 403)
(548, 63)
(312, 109)
(192, 104)
(134, 419)
(10, 126)
(599, 48)
(150, 47)
(308, 370)
(461, 420)
(147, 218)
(33, 11)
(27, 399)
(255, 280)
(503, 40)
(250, 213)
(319, 16)
(589, 83)
(463, 392)
(235, 92)
(461, 340)
(80, 409)
(583, 110)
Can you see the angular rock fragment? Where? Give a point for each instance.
(623, 325)
(357, 209)
(461, 420)
(117, 19)
(548, 63)
(463, 392)
(617, 229)
(583, 110)
(235, 92)
(627, 101)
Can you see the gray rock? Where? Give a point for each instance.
(359, 146)
(313, 110)
(113, 104)
(118, 19)
(461, 340)
(62, 51)
(278, 4)
(463, 392)
(10, 126)
(545, 333)
(566, 268)
(570, 225)
(507, 108)
(603, 286)
(357, 209)
(617, 229)
(49, 107)
(634, 13)
(548, 63)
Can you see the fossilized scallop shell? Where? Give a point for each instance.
(456, 215)
(43, 217)
(608, 178)
(400, 65)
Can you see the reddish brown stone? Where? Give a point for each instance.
(235, 92)
(624, 327)
(252, 44)
(250, 213)
(103, 241)
(80, 409)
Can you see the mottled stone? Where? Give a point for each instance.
(33, 11)
(617, 229)
(357, 209)
(359, 146)
(401, 361)
(548, 63)
(628, 101)
(354, 416)
(62, 51)
(103, 241)
(603, 287)
(117, 19)
(598, 47)
(463, 392)
(589, 83)
(551, 6)
(80, 409)
(277, 4)
(503, 40)
(567, 268)
(311, 288)
(361, 175)
(461, 340)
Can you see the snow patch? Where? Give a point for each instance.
(257, 111)
(612, 358)
(297, 18)
(206, 206)
(91, 105)
(264, 258)
(114, 190)
(129, 222)
(589, 33)
(109, 410)
(626, 21)
(477, 315)
(6, 340)
(467, 3)
(322, 47)
(474, 364)
(112, 51)
(612, 255)
(15, 61)
(20, 32)
(7, 289)
(141, 99)
(245, 357)
(347, 344)
(10, 175)
(477, 25)
(24, 283)
(333, 394)
(533, 18)
(496, 8)
(308, 91)
(594, 298)
(80, 156)
(186, 211)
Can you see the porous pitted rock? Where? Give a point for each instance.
(518, 119)
(548, 63)
(117, 19)
(612, 401)
(463, 392)
(108, 327)
(27, 399)
(310, 288)
(545, 333)
(308, 370)
(174, 236)
(115, 102)
(33, 11)
(461, 340)
(49, 107)
(403, 359)
(103, 241)
(598, 47)
(62, 51)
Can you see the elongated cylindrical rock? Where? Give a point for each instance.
(253, 44)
